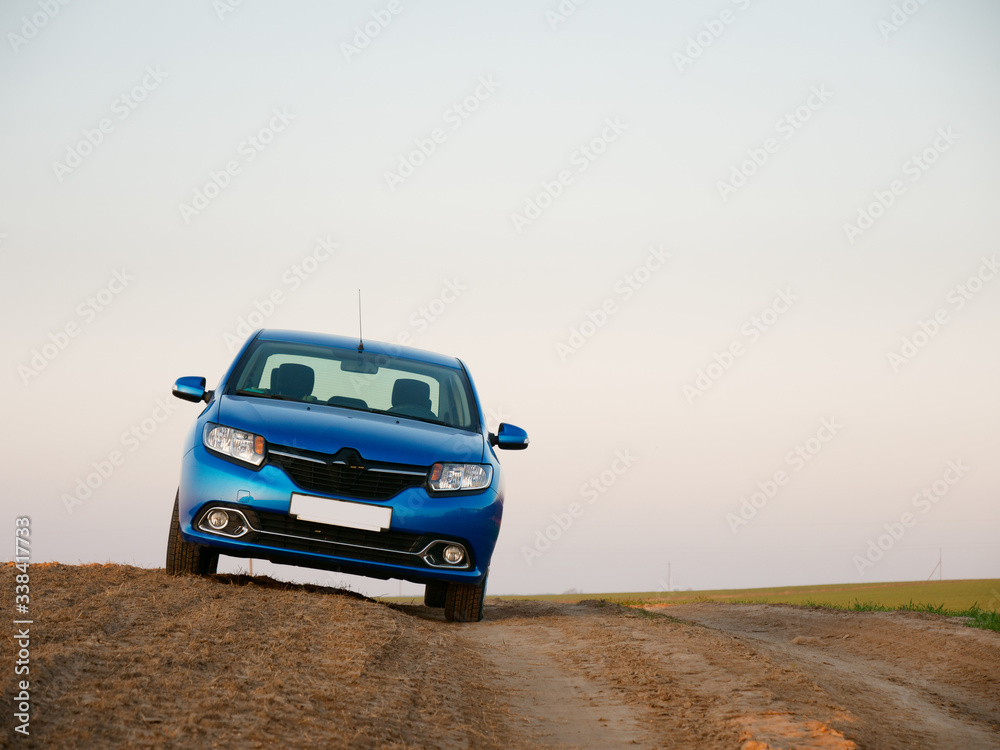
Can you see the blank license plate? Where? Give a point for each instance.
(341, 513)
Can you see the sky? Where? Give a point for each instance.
(733, 265)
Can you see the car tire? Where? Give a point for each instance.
(435, 595)
(464, 602)
(184, 557)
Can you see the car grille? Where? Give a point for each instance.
(282, 523)
(281, 531)
(327, 474)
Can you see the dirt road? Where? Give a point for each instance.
(745, 676)
(126, 657)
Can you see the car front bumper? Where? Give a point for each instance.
(409, 549)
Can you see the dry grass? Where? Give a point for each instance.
(129, 657)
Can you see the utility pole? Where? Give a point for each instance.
(939, 568)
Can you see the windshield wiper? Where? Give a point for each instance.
(274, 396)
(429, 420)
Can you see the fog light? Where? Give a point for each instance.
(218, 519)
(454, 554)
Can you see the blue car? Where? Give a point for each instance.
(333, 453)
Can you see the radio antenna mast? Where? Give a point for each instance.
(361, 341)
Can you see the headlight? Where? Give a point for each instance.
(243, 446)
(460, 476)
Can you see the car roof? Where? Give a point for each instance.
(350, 342)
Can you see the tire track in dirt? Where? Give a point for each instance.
(656, 682)
(557, 707)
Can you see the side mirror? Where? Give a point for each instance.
(192, 389)
(509, 438)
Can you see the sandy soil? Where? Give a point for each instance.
(125, 657)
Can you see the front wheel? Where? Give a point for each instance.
(184, 557)
(464, 602)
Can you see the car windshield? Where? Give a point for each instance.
(347, 379)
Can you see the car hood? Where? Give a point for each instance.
(327, 429)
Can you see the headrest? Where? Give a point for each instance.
(409, 392)
(293, 380)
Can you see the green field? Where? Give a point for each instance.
(979, 599)
(949, 595)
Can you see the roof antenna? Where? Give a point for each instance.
(361, 342)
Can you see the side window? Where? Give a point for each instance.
(454, 408)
